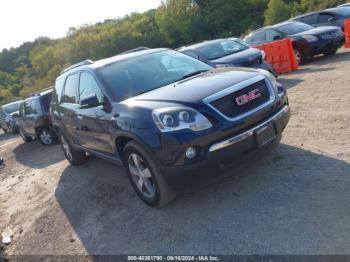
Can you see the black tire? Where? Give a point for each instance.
(25, 138)
(46, 136)
(163, 192)
(299, 55)
(331, 52)
(74, 156)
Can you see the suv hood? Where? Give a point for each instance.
(319, 31)
(248, 55)
(193, 90)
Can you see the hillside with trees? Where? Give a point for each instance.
(35, 65)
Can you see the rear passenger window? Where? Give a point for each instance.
(46, 100)
(259, 37)
(310, 19)
(28, 108)
(88, 87)
(70, 89)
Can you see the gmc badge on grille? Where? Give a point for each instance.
(252, 95)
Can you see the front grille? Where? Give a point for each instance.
(254, 62)
(228, 105)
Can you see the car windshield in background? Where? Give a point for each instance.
(294, 28)
(11, 108)
(141, 74)
(219, 49)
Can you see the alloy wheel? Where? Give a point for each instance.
(46, 137)
(141, 175)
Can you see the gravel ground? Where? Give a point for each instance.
(296, 200)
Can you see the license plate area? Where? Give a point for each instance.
(265, 134)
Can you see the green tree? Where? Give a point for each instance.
(277, 11)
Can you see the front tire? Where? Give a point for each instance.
(145, 177)
(74, 156)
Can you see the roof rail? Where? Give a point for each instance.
(39, 92)
(85, 62)
(137, 49)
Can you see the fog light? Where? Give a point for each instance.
(191, 152)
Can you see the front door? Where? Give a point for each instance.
(93, 123)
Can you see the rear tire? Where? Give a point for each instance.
(74, 156)
(152, 187)
(46, 136)
(331, 52)
(25, 138)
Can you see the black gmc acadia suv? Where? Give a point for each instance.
(167, 117)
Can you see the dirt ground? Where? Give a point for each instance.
(296, 200)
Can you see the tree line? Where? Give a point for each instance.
(35, 65)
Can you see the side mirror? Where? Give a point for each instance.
(277, 37)
(90, 102)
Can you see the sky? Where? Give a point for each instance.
(25, 20)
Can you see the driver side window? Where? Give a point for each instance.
(272, 35)
(88, 86)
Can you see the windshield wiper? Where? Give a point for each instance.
(193, 74)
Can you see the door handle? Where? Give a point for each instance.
(80, 117)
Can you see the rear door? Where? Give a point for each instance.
(27, 117)
(93, 123)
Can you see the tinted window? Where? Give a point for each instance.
(28, 108)
(88, 87)
(258, 37)
(294, 28)
(220, 49)
(144, 73)
(45, 101)
(35, 104)
(59, 88)
(310, 19)
(324, 18)
(70, 89)
(271, 34)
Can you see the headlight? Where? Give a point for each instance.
(263, 54)
(178, 118)
(310, 38)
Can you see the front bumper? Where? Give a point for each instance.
(323, 46)
(227, 155)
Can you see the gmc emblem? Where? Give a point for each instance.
(243, 99)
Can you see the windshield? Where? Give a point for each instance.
(212, 51)
(294, 28)
(141, 74)
(11, 108)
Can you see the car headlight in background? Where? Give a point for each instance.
(178, 118)
(310, 38)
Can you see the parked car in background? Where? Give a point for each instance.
(307, 40)
(35, 120)
(167, 117)
(328, 17)
(8, 116)
(228, 52)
